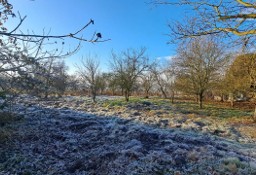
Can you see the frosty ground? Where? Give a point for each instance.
(74, 136)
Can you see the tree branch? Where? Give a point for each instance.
(243, 16)
(237, 32)
(246, 4)
(20, 36)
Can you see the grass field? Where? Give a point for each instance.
(238, 117)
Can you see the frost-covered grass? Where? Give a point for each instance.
(209, 110)
(238, 119)
(7, 119)
(112, 137)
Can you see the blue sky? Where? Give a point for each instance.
(128, 23)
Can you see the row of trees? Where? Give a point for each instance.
(234, 21)
(125, 70)
(202, 66)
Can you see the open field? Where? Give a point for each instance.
(218, 118)
(144, 136)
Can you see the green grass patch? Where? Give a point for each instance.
(210, 110)
(122, 102)
(115, 102)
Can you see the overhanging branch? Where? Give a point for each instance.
(246, 4)
(20, 36)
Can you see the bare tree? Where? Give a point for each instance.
(19, 50)
(28, 68)
(22, 54)
(112, 82)
(158, 77)
(222, 17)
(102, 82)
(215, 17)
(47, 76)
(89, 72)
(51, 78)
(72, 84)
(60, 78)
(171, 75)
(147, 81)
(164, 77)
(127, 67)
(198, 66)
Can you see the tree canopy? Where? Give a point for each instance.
(127, 67)
(198, 66)
(241, 76)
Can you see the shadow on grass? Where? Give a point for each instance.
(75, 142)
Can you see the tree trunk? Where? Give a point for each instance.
(94, 94)
(126, 94)
(46, 89)
(254, 115)
(232, 103)
(59, 95)
(94, 98)
(147, 94)
(196, 98)
(163, 92)
(222, 98)
(113, 91)
(200, 100)
(172, 97)
(231, 98)
(46, 94)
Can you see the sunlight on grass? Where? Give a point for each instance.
(122, 102)
(214, 116)
(211, 111)
(189, 108)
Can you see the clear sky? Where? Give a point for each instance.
(128, 23)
